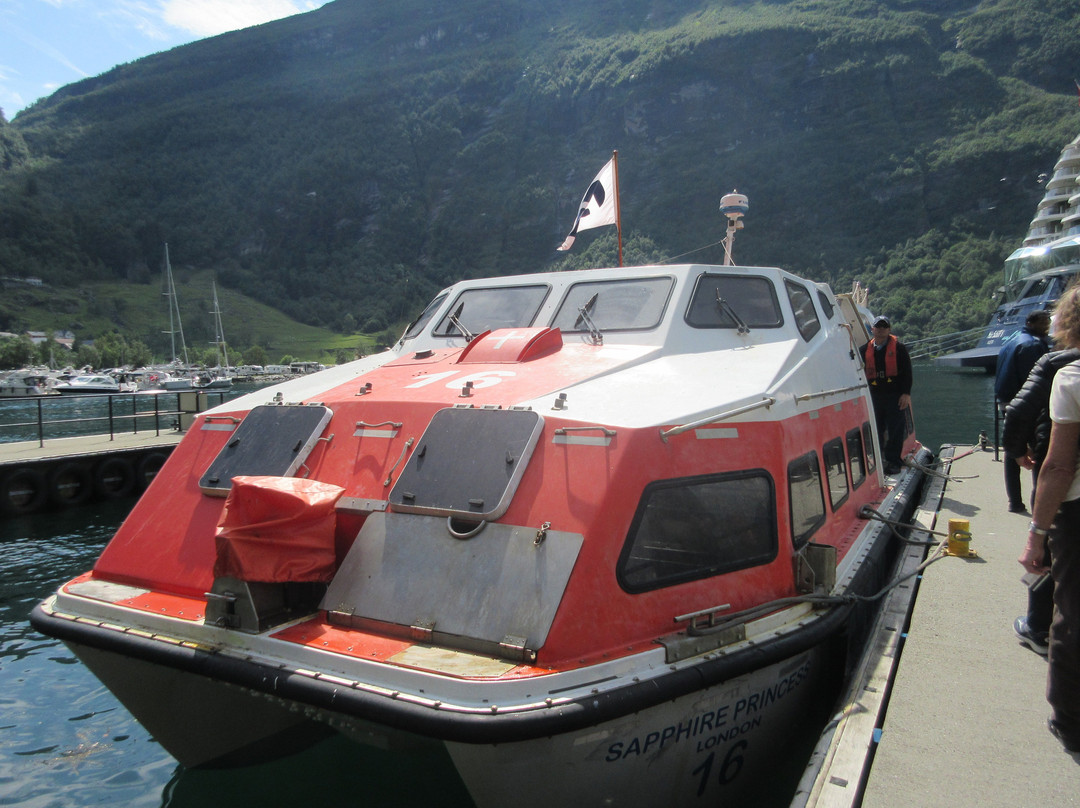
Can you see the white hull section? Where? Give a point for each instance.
(714, 746)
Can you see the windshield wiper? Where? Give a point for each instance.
(585, 319)
(455, 321)
(729, 310)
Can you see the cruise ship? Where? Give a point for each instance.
(1038, 271)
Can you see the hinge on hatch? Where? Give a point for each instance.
(513, 648)
(421, 630)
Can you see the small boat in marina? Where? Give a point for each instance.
(92, 384)
(183, 376)
(599, 536)
(27, 383)
(217, 378)
(196, 380)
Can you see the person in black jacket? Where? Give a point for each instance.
(1025, 437)
(1014, 363)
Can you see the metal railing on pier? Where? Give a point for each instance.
(59, 416)
(929, 347)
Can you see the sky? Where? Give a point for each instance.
(45, 44)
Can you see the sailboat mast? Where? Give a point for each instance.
(168, 294)
(223, 349)
(174, 311)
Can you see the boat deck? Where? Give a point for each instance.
(964, 718)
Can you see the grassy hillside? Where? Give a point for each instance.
(140, 312)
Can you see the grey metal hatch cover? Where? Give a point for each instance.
(273, 440)
(405, 569)
(468, 463)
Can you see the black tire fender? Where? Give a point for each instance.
(70, 484)
(23, 491)
(148, 467)
(114, 478)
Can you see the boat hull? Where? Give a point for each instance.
(984, 358)
(724, 744)
(719, 743)
(199, 720)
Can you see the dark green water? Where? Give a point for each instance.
(952, 406)
(65, 741)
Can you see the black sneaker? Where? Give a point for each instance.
(1071, 745)
(1021, 508)
(1036, 642)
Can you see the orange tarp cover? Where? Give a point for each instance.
(277, 529)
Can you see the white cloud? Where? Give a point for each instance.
(41, 46)
(137, 18)
(210, 17)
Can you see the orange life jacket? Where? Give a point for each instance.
(890, 360)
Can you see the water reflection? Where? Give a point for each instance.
(333, 772)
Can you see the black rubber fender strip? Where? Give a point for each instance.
(430, 721)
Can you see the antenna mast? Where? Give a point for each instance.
(734, 206)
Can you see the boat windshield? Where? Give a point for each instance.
(418, 325)
(752, 297)
(1021, 265)
(633, 304)
(1027, 261)
(478, 310)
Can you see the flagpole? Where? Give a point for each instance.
(618, 212)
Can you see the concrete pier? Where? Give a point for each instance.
(65, 472)
(951, 709)
(965, 724)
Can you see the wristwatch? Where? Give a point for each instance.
(1034, 528)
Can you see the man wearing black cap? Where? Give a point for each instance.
(888, 370)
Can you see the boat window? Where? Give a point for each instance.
(836, 471)
(480, 310)
(855, 457)
(807, 502)
(806, 318)
(868, 443)
(752, 298)
(826, 304)
(618, 305)
(697, 527)
(1036, 288)
(418, 325)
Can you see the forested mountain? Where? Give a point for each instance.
(344, 164)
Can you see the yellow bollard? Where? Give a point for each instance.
(959, 543)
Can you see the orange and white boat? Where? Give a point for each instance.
(599, 535)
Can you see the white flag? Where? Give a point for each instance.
(598, 206)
